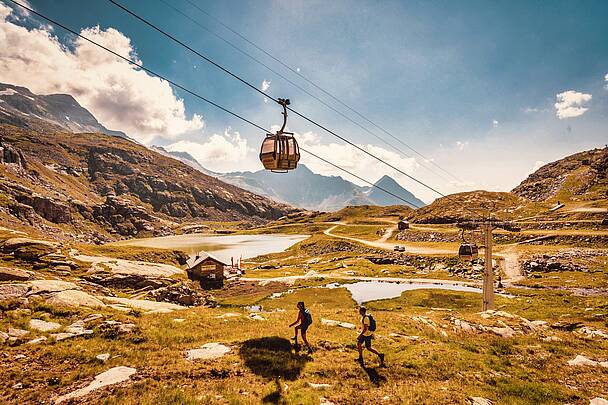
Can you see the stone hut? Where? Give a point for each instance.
(403, 225)
(206, 269)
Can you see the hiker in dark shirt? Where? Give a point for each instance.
(368, 327)
(303, 322)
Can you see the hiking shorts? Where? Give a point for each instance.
(367, 340)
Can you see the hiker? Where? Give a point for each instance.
(303, 322)
(368, 326)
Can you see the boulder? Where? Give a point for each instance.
(144, 305)
(208, 351)
(11, 274)
(103, 357)
(74, 330)
(37, 341)
(13, 291)
(181, 294)
(43, 326)
(505, 332)
(28, 249)
(581, 360)
(112, 376)
(17, 333)
(50, 286)
(74, 298)
(598, 401)
(114, 328)
(330, 322)
(479, 401)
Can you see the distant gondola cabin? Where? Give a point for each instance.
(403, 225)
(206, 269)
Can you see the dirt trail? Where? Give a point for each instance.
(511, 263)
(382, 244)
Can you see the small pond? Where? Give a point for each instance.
(224, 247)
(364, 291)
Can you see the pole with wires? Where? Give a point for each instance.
(488, 272)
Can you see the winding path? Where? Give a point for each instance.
(509, 254)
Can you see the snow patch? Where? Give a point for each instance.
(8, 92)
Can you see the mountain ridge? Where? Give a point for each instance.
(304, 188)
(22, 108)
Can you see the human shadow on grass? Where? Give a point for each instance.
(272, 358)
(375, 377)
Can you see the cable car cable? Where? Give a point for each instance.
(52, 21)
(270, 97)
(295, 71)
(250, 56)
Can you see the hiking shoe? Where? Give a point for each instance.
(381, 355)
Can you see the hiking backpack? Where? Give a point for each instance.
(307, 317)
(372, 323)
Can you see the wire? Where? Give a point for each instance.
(360, 178)
(297, 72)
(272, 98)
(250, 56)
(199, 96)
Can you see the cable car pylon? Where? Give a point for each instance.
(487, 226)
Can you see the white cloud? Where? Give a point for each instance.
(570, 104)
(462, 145)
(495, 123)
(354, 160)
(529, 110)
(121, 96)
(265, 87)
(219, 153)
(606, 80)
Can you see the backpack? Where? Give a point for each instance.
(372, 323)
(307, 317)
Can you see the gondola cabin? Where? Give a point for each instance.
(468, 251)
(207, 270)
(280, 152)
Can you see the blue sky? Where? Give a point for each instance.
(471, 84)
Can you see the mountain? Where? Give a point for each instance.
(63, 174)
(61, 112)
(304, 188)
(579, 177)
(389, 184)
(183, 157)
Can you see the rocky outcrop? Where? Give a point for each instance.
(571, 177)
(112, 376)
(11, 155)
(10, 274)
(28, 249)
(182, 294)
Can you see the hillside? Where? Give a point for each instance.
(304, 188)
(183, 157)
(22, 108)
(471, 205)
(579, 177)
(92, 187)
